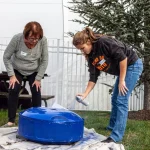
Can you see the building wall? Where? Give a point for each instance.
(15, 14)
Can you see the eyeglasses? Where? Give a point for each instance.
(33, 39)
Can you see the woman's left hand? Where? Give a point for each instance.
(37, 84)
(122, 87)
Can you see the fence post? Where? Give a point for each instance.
(57, 72)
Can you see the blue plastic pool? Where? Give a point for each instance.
(46, 125)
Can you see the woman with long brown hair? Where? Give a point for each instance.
(107, 54)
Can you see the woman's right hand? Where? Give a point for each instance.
(83, 95)
(12, 81)
(89, 87)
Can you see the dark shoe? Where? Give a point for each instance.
(108, 140)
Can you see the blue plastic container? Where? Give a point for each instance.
(46, 125)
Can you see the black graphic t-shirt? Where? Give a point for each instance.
(106, 55)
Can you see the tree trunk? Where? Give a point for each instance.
(146, 83)
(146, 95)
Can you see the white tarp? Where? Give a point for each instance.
(90, 141)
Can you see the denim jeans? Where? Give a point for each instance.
(119, 111)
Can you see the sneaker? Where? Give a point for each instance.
(8, 125)
(108, 140)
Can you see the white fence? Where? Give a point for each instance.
(68, 75)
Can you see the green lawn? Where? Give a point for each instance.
(137, 135)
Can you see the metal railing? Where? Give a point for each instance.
(68, 75)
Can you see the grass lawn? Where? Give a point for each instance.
(137, 135)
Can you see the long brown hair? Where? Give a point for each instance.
(34, 28)
(83, 36)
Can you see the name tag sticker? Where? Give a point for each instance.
(23, 53)
(101, 62)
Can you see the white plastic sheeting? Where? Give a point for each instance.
(90, 141)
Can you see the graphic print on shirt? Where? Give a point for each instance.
(100, 63)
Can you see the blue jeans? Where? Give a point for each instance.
(119, 111)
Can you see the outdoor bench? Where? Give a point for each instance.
(27, 96)
(4, 78)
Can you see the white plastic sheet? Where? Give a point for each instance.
(90, 141)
